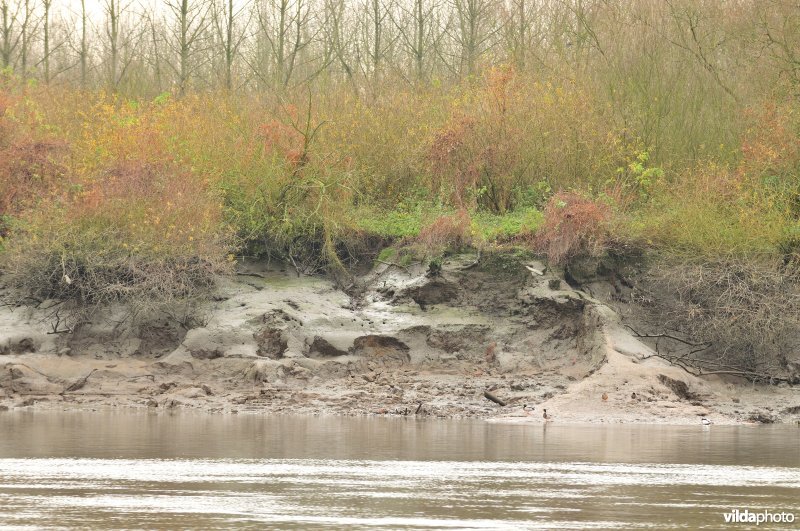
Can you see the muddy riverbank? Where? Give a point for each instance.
(408, 341)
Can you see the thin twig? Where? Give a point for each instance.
(390, 264)
(705, 345)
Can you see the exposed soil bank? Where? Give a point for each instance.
(407, 344)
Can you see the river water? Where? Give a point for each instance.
(146, 471)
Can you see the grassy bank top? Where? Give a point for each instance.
(104, 196)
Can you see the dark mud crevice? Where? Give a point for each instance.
(435, 292)
(158, 338)
(322, 348)
(384, 349)
(272, 342)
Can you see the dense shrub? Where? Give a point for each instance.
(513, 137)
(574, 226)
(446, 232)
(144, 234)
(738, 315)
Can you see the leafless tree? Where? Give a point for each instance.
(10, 39)
(284, 32)
(47, 5)
(189, 20)
(475, 25)
(230, 33)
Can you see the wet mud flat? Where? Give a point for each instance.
(405, 343)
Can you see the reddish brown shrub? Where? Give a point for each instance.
(452, 162)
(29, 172)
(284, 140)
(446, 232)
(573, 226)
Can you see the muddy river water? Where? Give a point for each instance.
(145, 471)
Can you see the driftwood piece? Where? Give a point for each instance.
(79, 383)
(493, 398)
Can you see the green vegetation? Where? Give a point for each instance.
(654, 126)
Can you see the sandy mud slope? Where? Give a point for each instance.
(407, 343)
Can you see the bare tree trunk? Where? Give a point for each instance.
(47, 4)
(7, 18)
(416, 31)
(25, 38)
(156, 60)
(283, 26)
(474, 30)
(113, 13)
(84, 50)
(229, 36)
(190, 21)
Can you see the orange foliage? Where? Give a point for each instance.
(482, 149)
(451, 161)
(446, 232)
(772, 143)
(152, 204)
(573, 226)
(768, 173)
(30, 172)
(284, 140)
(511, 133)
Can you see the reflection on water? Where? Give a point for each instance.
(195, 471)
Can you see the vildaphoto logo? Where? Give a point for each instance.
(762, 517)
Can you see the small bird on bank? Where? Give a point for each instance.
(528, 410)
(705, 422)
(545, 416)
(605, 397)
(633, 396)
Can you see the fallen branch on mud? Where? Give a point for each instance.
(493, 398)
(79, 383)
(695, 367)
(703, 367)
(668, 336)
(151, 377)
(49, 378)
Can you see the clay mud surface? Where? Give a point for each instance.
(405, 342)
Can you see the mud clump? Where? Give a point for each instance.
(159, 339)
(387, 349)
(678, 387)
(435, 292)
(20, 346)
(552, 309)
(271, 342)
(761, 418)
(279, 316)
